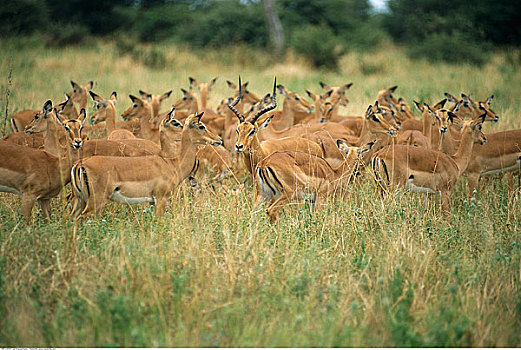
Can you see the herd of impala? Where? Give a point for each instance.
(304, 150)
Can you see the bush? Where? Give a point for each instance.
(160, 23)
(318, 44)
(67, 34)
(455, 47)
(22, 16)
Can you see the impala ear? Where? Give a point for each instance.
(369, 111)
(457, 106)
(67, 97)
(451, 98)
(165, 96)
(114, 97)
(452, 116)
(83, 115)
(89, 85)
(440, 104)
(489, 100)
(324, 86)
(212, 82)
(94, 96)
(347, 86)
(134, 98)
(311, 95)
(56, 115)
(143, 94)
(47, 108)
(340, 143)
(199, 116)
(327, 94)
(74, 85)
(231, 84)
(192, 81)
(184, 91)
(282, 90)
(265, 123)
(393, 88)
(467, 99)
(418, 105)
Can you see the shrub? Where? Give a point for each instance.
(67, 34)
(22, 16)
(453, 48)
(318, 44)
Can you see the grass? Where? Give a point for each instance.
(214, 272)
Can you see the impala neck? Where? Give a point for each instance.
(52, 146)
(204, 98)
(169, 148)
(462, 156)
(83, 103)
(186, 156)
(287, 114)
(146, 126)
(345, 170)
(110, 122)
(427, 127)
(448, 144)
(366, 135)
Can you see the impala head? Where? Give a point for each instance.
(403, 111)
(204, 88)
(103, 107)
(444, 118)
(474, 127)
(484, 106)
(186, 101)
(79, 92)
(247, 95)
(337, 92)
(139, 109)
(171, 127)
(428, 112)
(296, 102)
(247, 128)
(198, 133)
(376, 121)
(67, 109)
(385, 96)
(155, 100)
(40, 120)
(358, 153)
(74, 128)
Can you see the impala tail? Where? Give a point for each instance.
(381, 173)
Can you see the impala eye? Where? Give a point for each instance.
(134, 105)
(184, 98)
(251, 132)
(375, 118)
(97, 107)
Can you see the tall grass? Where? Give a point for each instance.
(214, 272)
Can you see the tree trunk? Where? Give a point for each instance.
(274, 26)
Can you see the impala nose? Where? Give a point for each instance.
(496, 118)
(443, 130)
(239, 148)
(77, 144)
(391, 132)
(218, 143)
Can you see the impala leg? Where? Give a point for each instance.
(160, 206)
(472, 184)
(274, 208)
(45, 206)
(94, 205)
(445, 202)
(28, 201)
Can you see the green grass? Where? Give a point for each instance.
(214, 272)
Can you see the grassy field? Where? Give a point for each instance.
(214, 272)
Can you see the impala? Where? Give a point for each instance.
(249, 143)
(204, 90)
(426, 170)
(374, 127)
(35, 174)
(288, 175)
(78, 94)
(213, 120)
(151, 179)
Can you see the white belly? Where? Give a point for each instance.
(413, 188)
(503, 170)
(9, 190)
(118, 197)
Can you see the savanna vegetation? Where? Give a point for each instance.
(360, 271)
